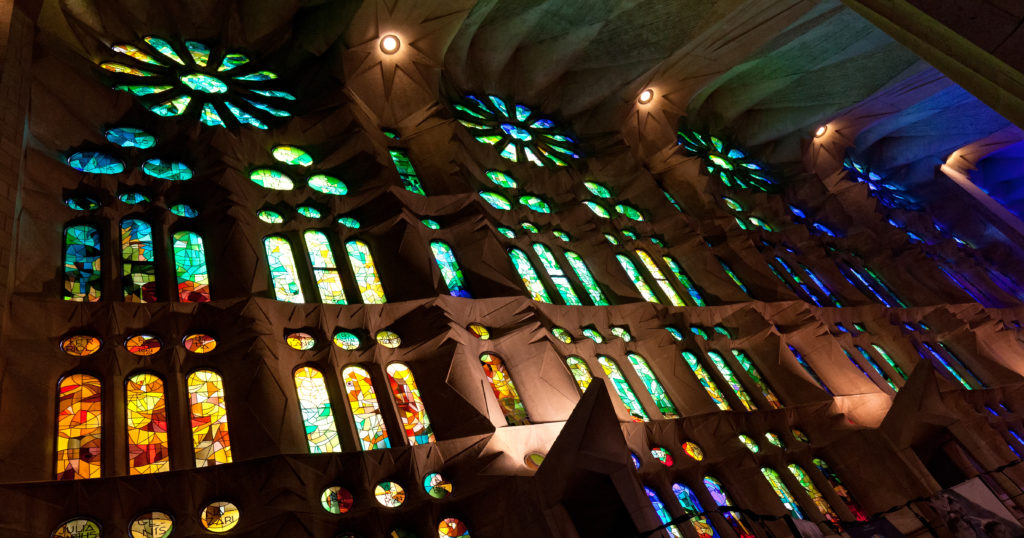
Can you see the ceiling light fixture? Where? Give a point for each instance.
(821, 131)
(390, 44)
(646, 96)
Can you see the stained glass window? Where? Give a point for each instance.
(317, 415)
(799, 435)
(586, 277)
(722, 499)
(729, 164)
(547, 259)
(271, 179)
(411, 410)
(561, 235)
(452, 528)
(79, 425)
(562, 335)
(878, 369)
(662, 455)
(757, 378)
(209, 411)
(480, 331)
(389, 494)
(130, 137)
(705, 380)
(77, 528)
(309, 212)
(365, 410)
(152, 525)
(300, 341)
(688, 500)
(139, 269)
(346, 340)
(730, 378)
(888, 360)
(782, 492)
(82, 203)
(813, 493)
(292, 155)
(327, 185)
(807, 368)
(535, 203)
(406, 172)
(184, 210)
(190, 266)
(283, 273)
(496, 200)
(597, 189)
(684, 279)
(598, 210)
(147, 425)
(580, 372)
(133, 198)
(220, 516)
(622, 333)
(507, 232)
(516, 131)
(365, 271)
(80, 345)
(732, 276)
(325, 269)
(336, 500)
(693, 450)
(637, 279)
(659, 278)
(269, 216)
(654, 387)
(591, 333)
(504, 390)
(436, 486)
(622, 388)
(629, 212)
(529, 227)
(449, 267)
(169, 170)
(833, 480)
(663, 515)
(142, 345)
(774, 439)
(749, 443)
(501, 179)
(94, 162)
(530, 279)
(349, 222)
(199, 343)
(82, 263)
(388, 339)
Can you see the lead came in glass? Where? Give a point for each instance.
(325, 269)
(365, 271)
(283, 274)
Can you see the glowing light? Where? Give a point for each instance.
(646, 96)
(390, 44)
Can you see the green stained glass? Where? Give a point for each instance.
(430, 223)
(309, 212)
(406, 172)
(138, 262)
(244, 117)
(365, 271)
(653, 386)
(130, 137)
(774, 439)
(672, 201)
(271, 179)
(450, 271)
(730, 378)
(659, 278)
(174, 107)
(592, 334)
(273, 111)
(259, 76)
(507, 232)
(732, 276)
(611, 239)
(700, 332)
(349, 222)
(504, 390)
(165, 48)
(184, 210)
(82, 203)
(270, 216)
(580, 372)
(132, 198)
(283, 273)
(761, 224)
(529, 227)
(622, 333)
(562, 335)
(675, 333)
(622, 388)
(813, 493)
(292, 155)
(142, 90)
(554, 270)
(170, 170)
(657, 241)
(496, 200)
(598, 209)
(535, 203)
(346, 340)
(136, 53)
(317, 415)
(637, 279)
(702, 376)
(561, 235)
(501, 179)
(232, 61)
(204, 83)
(327, 184)
(597, 189)
(325, 269)
(586, 277)
(684, 279)
(275, 94)
(630, 212)
(370, 425)
(82, 264)
(888, 359)
(629, 234)
(190, 266)
(755, 376)
(126, 70)
(722, 331)
(94, 162)
(782, 492)
(533, 284)
(691, 506)
(210, 116)
(732, 204)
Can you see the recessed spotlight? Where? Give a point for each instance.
(390, 44)
(821, 131)
(646, 96)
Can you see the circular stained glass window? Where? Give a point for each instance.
(533, 460)
(562, 334)
(389, 494)
(336, 500)
(517, 132)
(199, 343)
(77, 528)
(389, 339)
(143, 345)
(662, 455)
(693, 450)
(220, 516)
(452, 528)
(346, 340)
(80, 345)
(436, 486)
(480, 331)
(300, 341)
(152, 525)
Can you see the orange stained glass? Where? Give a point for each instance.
(80, 345)
(504, 390)
(199, 343)
(209, 418)
(78, 427)
(410, 406)
(147, 425)
(365, 409)
(143, 345)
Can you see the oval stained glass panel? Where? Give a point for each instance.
(130, 137)
(630, 212)
(82, 203)
(220, 516)
(269, 216)
(598, 209)
(389, 494)
(94, 162)
(152, 525)
(597, 189)
(436, 486)
(132, 198)
(496, 200)
(533, 460)
(143, 345)
(452, 528)
(336, 500)
(346, 340)
(184, 210)
(300, 341)
(80, 345)
(199, 343)
(349, 222)
(693, 450)
(662, 456)
(501, 179)
(430, 223)
(480, 331)
(292, 155)
(389, 339)
(77, 528)
(535, 203)
(169, 170)
(271, 179)
(309, 212)
(327, 184)
(562, 335)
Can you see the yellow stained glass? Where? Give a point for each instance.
(209, 419)
(147, 425)
(79, 421)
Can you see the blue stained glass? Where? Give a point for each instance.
(522, 112)
(165, 48)
(542, 124)
(449, 267)
(82, 203)
(200, 52)
(132, 198)
(274, 93)
(663, 515)
(210, 116)
(232, 61)
(184, 210)
(94, 162)
(349, 222)
(82, 264)
(269, 109)
(516, 132)
(130, 137)
(173, 107)
(258, 76)
(499, 104)
(244, 117)
(170, 170)
(204, 83)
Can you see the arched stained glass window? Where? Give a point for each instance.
(807, 368)
(79, 421)
(721, 498)
(663, 515)
(410, 180)
(365, 271)
(684, 279)
(317, 414)
(878, 369)
(190, 266)
(138, 261)
(283, 273)
(586, 277)
(654, 387)
(837, 484)
(813, 493)
(637, 279)
(705, 380)
(147, 425)
(82, 263)
(547, 259)
(659, 278)
(449, 267)
(757, 378)
(782, 492)
(325, 268)
(410, 406)
(530, 279)
(622, 388)
(365, 409)
(580, 372)
(730, 378)
(688, 500)
(504, 390)
(209, 418)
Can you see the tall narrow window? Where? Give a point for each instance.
(283, 273)
(653, 386)
(945, 364)
(138, 261)
(735, 520)
(325, 268)
(209, 419)
(688, 500)
(637, 279)
(730, 378)
(625, 392)
(410, 406)
(586, 277)
(796, 278)
(807, 368)
(530, 279)
(317, 414)
(580, 372)
(782, 492)
(147, 425)
(705, 380)
(821, 285)
(813, 493)
(365, 271)
(547, 259)
(659, 278)
(732, 276)
(82, 262)
(684, 279)
(365, 409)
(949, 353)
(410, 180)
(878, 369)
(79, 421)
(888, 360)
(450, 270)
(757, 378)
(833, 480)
(663, 515)
(504, 390)
(190, 266)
